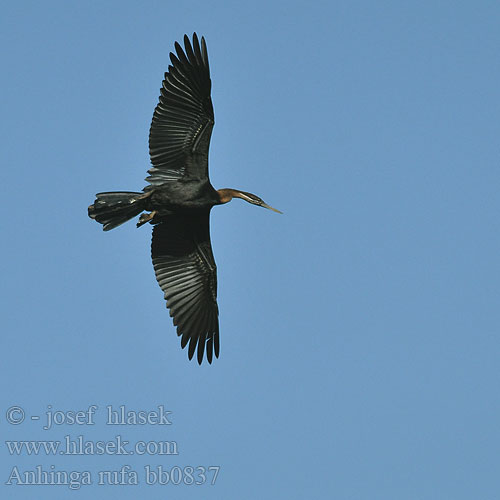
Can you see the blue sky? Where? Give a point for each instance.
(359, 330)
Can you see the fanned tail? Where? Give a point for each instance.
(115, 208)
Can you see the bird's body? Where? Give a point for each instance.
(183, 195)
(179, 198)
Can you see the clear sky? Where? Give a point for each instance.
(359, 331)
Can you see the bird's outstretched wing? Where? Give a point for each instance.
(186, 272)
(183, 120)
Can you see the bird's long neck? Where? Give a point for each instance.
(227, 194)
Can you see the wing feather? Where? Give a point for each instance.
(186, 272)
(183, 120)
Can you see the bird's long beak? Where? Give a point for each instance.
(265, 205)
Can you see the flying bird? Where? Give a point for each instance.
(178, 199)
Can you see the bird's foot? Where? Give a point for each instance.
(146, 218)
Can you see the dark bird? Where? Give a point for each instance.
(179, 198)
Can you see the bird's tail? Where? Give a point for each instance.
(113, 209)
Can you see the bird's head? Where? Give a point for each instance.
(226, 195)
(255, 200)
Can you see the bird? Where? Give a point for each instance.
(178, 199)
